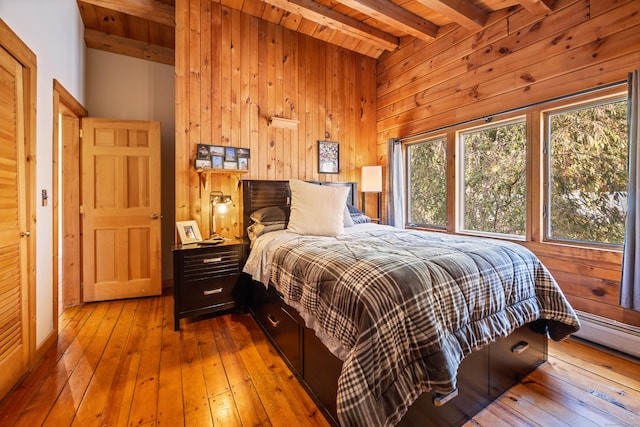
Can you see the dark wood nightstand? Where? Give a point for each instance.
(204, 278)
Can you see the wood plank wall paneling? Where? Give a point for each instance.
(233, 72)
(518, 59)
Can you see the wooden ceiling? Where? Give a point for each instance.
(146, 28)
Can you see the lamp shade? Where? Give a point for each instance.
(371, 179)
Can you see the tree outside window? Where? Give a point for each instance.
(588, 173)
(428, 183)
(494, 183)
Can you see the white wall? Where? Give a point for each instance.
(53, 30)
(122, 87)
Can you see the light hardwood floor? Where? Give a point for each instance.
(121, 363)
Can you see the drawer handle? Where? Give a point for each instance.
(521, 347)
(212, 291)
(210, 260)
(441, 399)
(273, 321)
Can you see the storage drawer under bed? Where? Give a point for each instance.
(482, 376)
(281, 324)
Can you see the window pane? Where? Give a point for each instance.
(494, 162)
(428, 183)
(588, 174)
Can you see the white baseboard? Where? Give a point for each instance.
(609, 333)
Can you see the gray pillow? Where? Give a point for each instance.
(272, 214)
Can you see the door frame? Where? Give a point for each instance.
(10, 42)
(65, 103)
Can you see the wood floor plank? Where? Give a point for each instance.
(170, 411)
(499, 415)
(244, 392)
(225, 412)
(46, 370)
(144, 403)
(67, 316)
(118, 403)
(593, 404)
(73, 372)
(212, 367)
(607, 365)
(537, 407)
(264, 379)
(625, 400)
(196, 400)
(92, 406)
(249, 334)
(121, 363)
(89, 354)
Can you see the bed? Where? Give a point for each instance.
(387, 326)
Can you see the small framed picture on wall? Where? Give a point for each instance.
(328, 157)
(217, 162)
(203, 152)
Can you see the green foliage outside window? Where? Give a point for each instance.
(428, 183)
(589, 173)
(495, 179)
(586, 177)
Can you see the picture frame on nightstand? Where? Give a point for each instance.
(188, 232)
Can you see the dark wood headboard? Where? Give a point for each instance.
(258, 194)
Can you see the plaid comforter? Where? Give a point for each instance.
(408, 306)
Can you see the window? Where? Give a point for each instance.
(571, 190)
(493, 179)
(427, 183)
(587, 173)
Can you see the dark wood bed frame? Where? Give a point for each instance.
(483, 375)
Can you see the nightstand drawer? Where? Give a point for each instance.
(212, 264)
(207, 293)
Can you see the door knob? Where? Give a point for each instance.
(25, 234)
(155, 216)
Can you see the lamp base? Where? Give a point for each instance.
(377, 220)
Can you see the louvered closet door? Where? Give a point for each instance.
(14, 330)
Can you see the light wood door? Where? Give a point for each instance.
(121, 247)
(14, 309)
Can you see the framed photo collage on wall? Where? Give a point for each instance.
(220, 157)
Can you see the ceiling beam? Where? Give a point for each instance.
(129, 47)
(538, 7)
(464, 12)
(146, 9)
(391, 14)
(322, 15)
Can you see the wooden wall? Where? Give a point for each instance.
(234, 72)
(518, 59)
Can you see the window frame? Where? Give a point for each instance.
(460, 181)
(406, 149)
(536, 166)
(546, 164)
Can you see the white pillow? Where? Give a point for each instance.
(317, 210)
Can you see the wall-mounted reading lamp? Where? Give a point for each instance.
(372, 183)
(280, 122)
(219, 207)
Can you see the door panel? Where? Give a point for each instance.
(121, 203)
(14, 326)
(70, 216)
